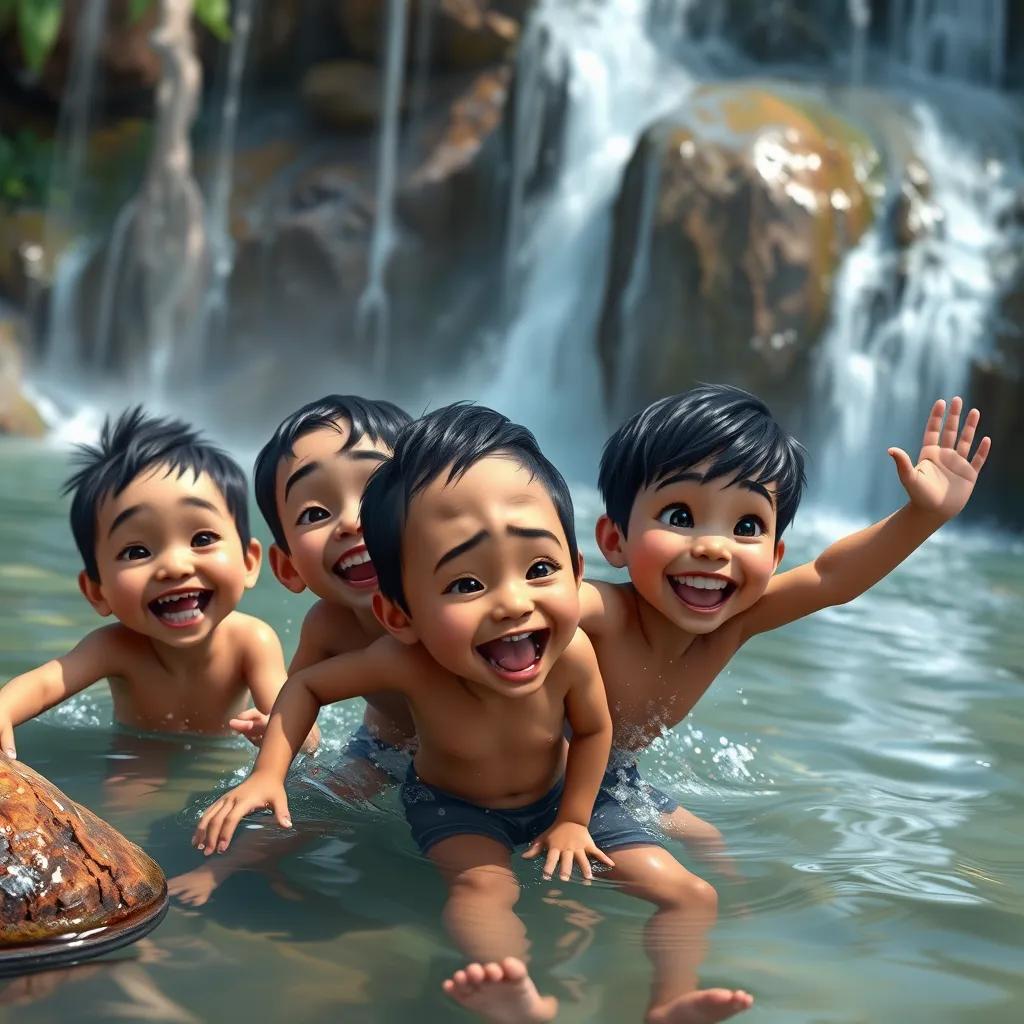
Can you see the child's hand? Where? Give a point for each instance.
(217, 826)
(567, 842)
(252, 724)
(943, 479)
(7, 738)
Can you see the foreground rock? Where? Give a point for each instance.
(62, 869)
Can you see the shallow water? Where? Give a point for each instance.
(864, 766)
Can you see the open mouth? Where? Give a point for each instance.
(182, 608)
(355, 568)
(702, 593)
(516, 657)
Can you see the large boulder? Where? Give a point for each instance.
(17, 414)
(62, 869)
(731, 221)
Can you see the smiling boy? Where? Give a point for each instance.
(471, 531)
(160, 518)
(699, 488)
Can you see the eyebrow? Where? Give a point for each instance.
(300, 474)
(525, 531)
(124, 517)
(202, 503)
(190, 501)
(514, 531)
(363, 455)
(748, 485)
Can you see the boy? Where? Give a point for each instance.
(471, 532)
(159, 516)
(698, 489)
(309, 481)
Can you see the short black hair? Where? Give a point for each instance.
(452, 439)
(127, 448)
(728, 426)
(378, 420)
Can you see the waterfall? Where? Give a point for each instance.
(906, 326)
(373, 311)
(619, 81)
(219, 209)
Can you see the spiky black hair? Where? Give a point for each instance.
(380, 421)
(127, 448)
(729, 427)
(449, 441)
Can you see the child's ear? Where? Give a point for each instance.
(93, 593)
(394, 619)
(283, 569)
(579, 569)
(780, 550)
(252, 554)
(611, 542)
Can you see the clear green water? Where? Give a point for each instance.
(865, 767)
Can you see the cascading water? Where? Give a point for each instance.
(906, 326)
(618, 82)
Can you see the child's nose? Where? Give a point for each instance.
(710, 546)
(348, 522)
(175, 563)
(512, 601)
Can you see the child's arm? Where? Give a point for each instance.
(30, 694)
(377, 667)
(586, 707)
(266, 674)
(939, 486)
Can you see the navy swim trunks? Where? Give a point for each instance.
(623, 782)
(434, 815)
(364, 746)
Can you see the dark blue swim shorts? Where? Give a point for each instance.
(434, 815)
(623, 782)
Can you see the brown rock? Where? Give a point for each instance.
(18, 415)
(730, 224)
(344, 93)
(63, 869)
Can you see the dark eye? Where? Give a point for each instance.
(541, 568)
(313, 514)
(204, 538)
(464, 585)
(133, 553)
(676, 515)
(749, 526)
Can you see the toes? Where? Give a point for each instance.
(475, 973)
(514, 968)
(493, 972)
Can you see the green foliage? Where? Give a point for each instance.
(24, 169)
(215, 15)
(38, 22)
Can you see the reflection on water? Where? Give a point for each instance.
(863, 766)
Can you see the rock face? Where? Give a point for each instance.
(17, 414)
(731, 221)
(62, 869)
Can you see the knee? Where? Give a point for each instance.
(488, 887)
(695, 893)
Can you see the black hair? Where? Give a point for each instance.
(452, 439)
(380, 421)
(130, 446)
(726, 425)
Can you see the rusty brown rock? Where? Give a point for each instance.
(731, 222)
(62, 869)
(18, 415)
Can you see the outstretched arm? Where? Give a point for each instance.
(293, 715)
(938, 487)
(30, 694)
(586, 706)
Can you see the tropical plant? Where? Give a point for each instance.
(37, 23)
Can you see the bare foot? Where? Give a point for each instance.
(704, 1006)
(503, 993)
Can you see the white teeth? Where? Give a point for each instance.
(191, 615)
(361, 558)
(177, 597)
(702, 582)
(515, 637)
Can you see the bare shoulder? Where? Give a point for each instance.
(253, 634)
(117, 643)
(332, 628)
(604, 607)
(578, 661)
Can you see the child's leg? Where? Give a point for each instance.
(700, 837)
(479, 914)
(685, 908)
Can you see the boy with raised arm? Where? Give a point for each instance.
(309, 481)
(471, 532)
(698, 490)
(160, 518)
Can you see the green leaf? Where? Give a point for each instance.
(216, 16)
(137, 8)
(38, 25)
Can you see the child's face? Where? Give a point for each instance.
(171, 564)
(698, 552)
(488, 577)
(318, 491)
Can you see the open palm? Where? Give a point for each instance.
(943, 479)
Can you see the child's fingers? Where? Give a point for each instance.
(533, 850)
(584, 864)
(904, 467)
(550, 863)
(279, 805)
(963, 446)
(952, 427)
(241, 725)
(7, 740)
(601, 856)
(981, 454)
(209, 826)
(934, 424)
